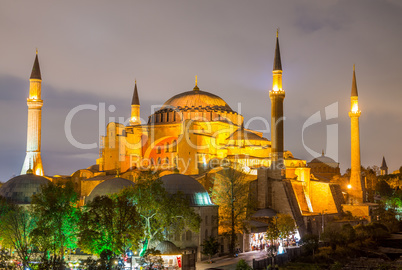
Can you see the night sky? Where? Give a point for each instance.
(91, 52)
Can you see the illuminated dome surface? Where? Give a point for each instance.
(197, 99)
(189, 187)
(20, 189)
(111, 186)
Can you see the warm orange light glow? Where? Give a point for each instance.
(355, 108)
(275, 88)
(34, 97)
(349, 186)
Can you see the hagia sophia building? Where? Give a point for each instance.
(187, 140)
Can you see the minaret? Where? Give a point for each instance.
(384, 167)
(33, 159)
(357, 186)
(277, 95)
(135, 108)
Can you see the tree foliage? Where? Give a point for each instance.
(57, 214)
(152, 258)
(210, 247)
(110, 224)
(243, 265)
(160, 212)
(230, 192)
(16, 226)
(286, 225)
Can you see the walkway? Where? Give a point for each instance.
(228, 263)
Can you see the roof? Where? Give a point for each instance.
(323, 159)
(242, 134)
(197, 98)
(109, 187)
(135, 100)
(168, 248)
(20, 189)
(35, 74)
(189, 187)
(384, 164)
(354, 84)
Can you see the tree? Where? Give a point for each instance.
(332, 235)
(152, 257)
(310, 243)
(243, 265)
(16, 226)
(57, 214)
(161, 213)
(110, 224)
(272, 233)
(230, 192)
(384, 189)
(286, 225)
(210, 247)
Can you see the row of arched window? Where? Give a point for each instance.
(168, 148)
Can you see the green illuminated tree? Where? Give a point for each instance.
(161, 213)
(16, 225)
(230, 192)
(110, 224)
(57, 214)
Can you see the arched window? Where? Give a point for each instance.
(167, 147)
(152, 162)
(174, 146)
(167, 160)
(206, 233)
(158, 150)
(159, 161)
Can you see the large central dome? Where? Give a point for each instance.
(197, 99)
(195, 105)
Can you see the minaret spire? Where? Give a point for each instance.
(135, 100)
(277, 95)
(33, 160)
(135, 107)
(277, 59)
(357, 190)
(354, 84)
(35, 74)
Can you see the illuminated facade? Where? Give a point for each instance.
(33, 159)
(194, 131)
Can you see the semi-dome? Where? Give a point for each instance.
(20, 189)
(197, 99)
(189, 187)
(111, 186)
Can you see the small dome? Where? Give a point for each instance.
(20, 189)
(111, 186)
(191, 188)
(323, 159)
(197, 98)
(168, 248)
